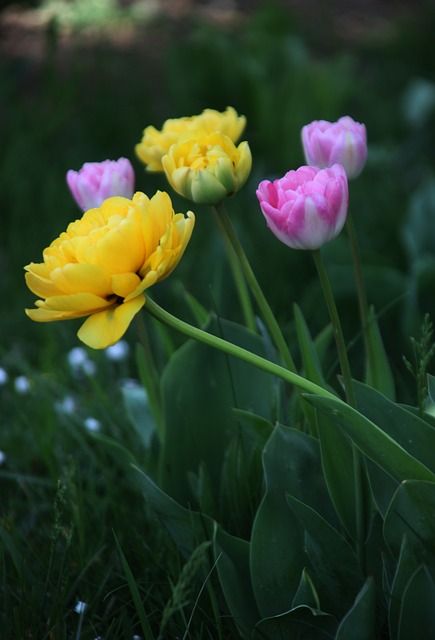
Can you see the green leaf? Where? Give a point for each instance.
(300, 623)
(187, 528)
(359, 622)
(412, 433)
(232, 557)
(306, 594)
(372, 441)
(310, 360)
(407, 565)
(431, 387)
(417, 614)
(200, 388)
(411, 513)
(138, 409)
(200, 314)
(292, 463)
(311, 363)
(336, 573)
(379, 374)
(241, 486)
(337, 460)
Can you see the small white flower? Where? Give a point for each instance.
(22, 384)
(118, 351)
(80, 362)
(3, 376)
(80, 607)
(89, 367)
(76, 357)
(92, 424)
(2, 458)
(67, 405)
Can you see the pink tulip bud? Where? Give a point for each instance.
(306, 208)
(97, 181)
(343, 142)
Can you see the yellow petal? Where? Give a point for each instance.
(125, 283)
(76, 304)
(42, 287)
(148, 281)
(122, 249)
(103, 329)
(48, 315)
(76, 278)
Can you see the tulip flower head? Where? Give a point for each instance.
(96, 181)
(207, 167)
(343, 142)
(155, 144)
(306, 208)
(102, 264)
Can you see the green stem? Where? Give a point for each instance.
(361, 292)
(350, 398)
(239, 279)
(234, 350)
(336, 326)
(265, 309)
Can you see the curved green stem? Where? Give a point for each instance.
(234, 350)
(239, 279)
(265, 309)
(350, 397)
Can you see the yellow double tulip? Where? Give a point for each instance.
(102, 264)
(206, 168)
(155, 144)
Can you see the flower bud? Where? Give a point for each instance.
(343, 142)
(207, 167)
(97, 181)
(155, 144)
(306, 208)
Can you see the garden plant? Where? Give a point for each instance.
(279, 479)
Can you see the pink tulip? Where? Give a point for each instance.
(343, 142)
(306, 208)
(97, 181)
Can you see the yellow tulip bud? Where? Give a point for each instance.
(102, 264)
(155, 144)
(207, 167)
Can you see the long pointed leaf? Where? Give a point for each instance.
(373, 442)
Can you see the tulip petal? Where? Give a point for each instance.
(122, 249)
(103, 329)
(41, 287)
(123, 284)
(91, 278)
